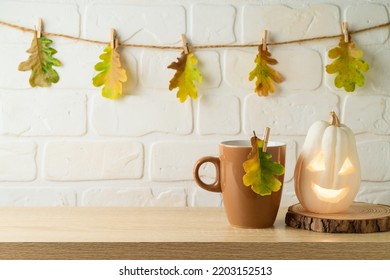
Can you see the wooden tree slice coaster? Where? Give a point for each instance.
(359, 218)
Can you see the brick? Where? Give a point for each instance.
(301, 69)
(57, 17)
(289, 24)
(212, 24)
(291, 158)
(366, 15)
(374, 160)
(292, 115)
(37, 196)
(133, 197)
(146, 24)
(218, 114)
(237, 67)
(42, 113)
(119, 197)
(377, 193)
(12, 56)
(367, 114)
(93, 160)
(210, 68)
(170, 198)
(377, 74)
(174, 161)
(17, 161)
(199, 197)
(140, 115)
(152, 60)
(69, 55)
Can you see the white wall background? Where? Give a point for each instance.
(68, 146)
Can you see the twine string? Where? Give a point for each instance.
(25, 29)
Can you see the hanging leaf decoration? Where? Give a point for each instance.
(41, 62)
(185, 76)
(348, 65)
(111, 75)
(265, 75)
(260, 170)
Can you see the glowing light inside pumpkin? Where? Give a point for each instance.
(347, 167)
(330, 195)
(317, 163)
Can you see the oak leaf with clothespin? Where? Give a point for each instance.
(260, 169)
(112, 74)
(187, 74)
(348, 63)
(265, 75)
(41, 60)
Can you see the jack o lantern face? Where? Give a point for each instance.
(329, 188)
(327, 173)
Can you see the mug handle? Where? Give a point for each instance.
(214, 187)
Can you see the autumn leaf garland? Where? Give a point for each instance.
(348, 66)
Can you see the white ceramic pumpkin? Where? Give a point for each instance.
(327, 173)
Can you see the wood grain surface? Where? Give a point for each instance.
(168, 233)
(359, 218)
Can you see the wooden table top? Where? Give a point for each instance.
(168, 233)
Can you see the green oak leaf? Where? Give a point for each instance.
(348, 65)
(41, 62)
(260, 170)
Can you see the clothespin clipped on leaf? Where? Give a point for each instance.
(263, 73)
(187, 75)
(348, 64)
(265, 139)
(185, 43)
(111, 73)
(264, 40)
(41, 60)
(39, 28)
(344, 28)
(114, 40)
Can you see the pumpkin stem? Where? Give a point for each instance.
(334, 119)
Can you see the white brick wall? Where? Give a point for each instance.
(68, 146)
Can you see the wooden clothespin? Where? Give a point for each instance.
(265, 138)
(185, 43)
(264, 40)
(39, 28)
(114, 40)
(344, 28)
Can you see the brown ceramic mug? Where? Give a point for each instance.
(243, 207)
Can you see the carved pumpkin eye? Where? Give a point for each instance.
(317, 163)
(346, 168)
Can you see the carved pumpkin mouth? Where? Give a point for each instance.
(329, 195)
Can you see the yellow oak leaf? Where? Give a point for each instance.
(265, 75)
(111, 75)
(185, 76)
